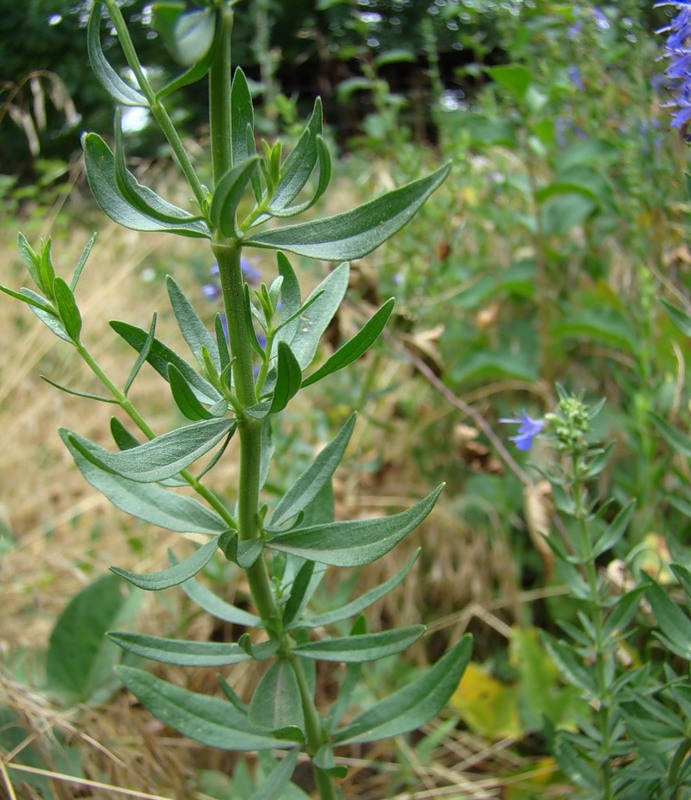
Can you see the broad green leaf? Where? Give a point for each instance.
(100, 169)
(356, 233)
(492, 365)
(366, 647)
(67, 308)
(569, 665)
(680, 318)
(606, 326)
(174, 512)
(673, 436)
(184, 396)
(288, 378)
(355, 347)
(191, 326)
(218, 608)
(161, 457)
(320, 307)
(193, 36)
(80, 659)
(361, 603)
(117, 88)
(228, 194)
(314, 478)
(562, 212)
(178, 573)
(160, 356)
(242, 119)
(674, 623)
(354, 542)
(276, 704)
(195, 73)
(205, 719)
(278, 779)
(515, 78)
(412, 706)
(181, 651)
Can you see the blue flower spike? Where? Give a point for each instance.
(528, 429)
(678, 53)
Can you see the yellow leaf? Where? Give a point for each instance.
(486, 705)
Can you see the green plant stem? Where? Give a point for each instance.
(219, 92)
(596, 616)
(127, 406)
(156, 107)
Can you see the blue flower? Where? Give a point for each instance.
(677, 51)
(528, 429)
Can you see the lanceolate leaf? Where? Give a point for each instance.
(361, 603)
(68, 309)
(218, 608)
(354, 542)
(366, 647)
(160, 356)
(242, 119)
(184, 396)
(227, 196)
(178, 573)
(117, 88)
(191, 326)
(679, 317)
(324, 160)
(159, 458)
(278, 779)
(314, 478)
(174, 512)
(355, 347)
(288, 378)
(412, 706)
(181, 651)
(100, 169)
(276, 704)
(209, 720)
(673, 436)
(355, 233)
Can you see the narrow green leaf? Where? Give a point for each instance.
(679, 317)
(275, 704)
(218, 608)
(159, 458)
(224, 360)
(191, 326)
(300, 164)
(354, 542)
(100, 169)
(80, 659)
(298, 591)
(180, 651)
(673, 436)
(242, 119)
(358, 605)
(325, 171)
(82, 262)
(623, 612)
(184, 396)
(46, 270)
(278, 779)
(174, 512)
(178, 573)
(314, 478)
(574, 766)
(412, 706)
(355, 347)
(615, 530)
(48, 318)
(228, 194)
(572, 670)
(675, 625)
(159, 356)
(30, 258)
(76, 392)
(367, 647)
(30, 300)
(143, 355)
(355, 233)
(205, 719)
(68, 309)
(683, 576)
(319, 309)
(117, 88)
(288, 378)
(290, 299)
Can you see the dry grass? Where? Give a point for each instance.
(62, 535)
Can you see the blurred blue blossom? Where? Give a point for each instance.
(678, 53)
(528, 429)
(212, 291)
(575, 77)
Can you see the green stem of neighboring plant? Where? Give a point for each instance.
(596, 616)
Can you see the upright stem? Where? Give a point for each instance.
(220, 114)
